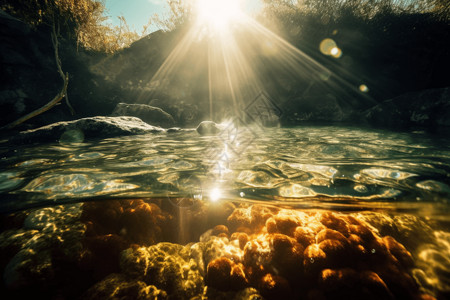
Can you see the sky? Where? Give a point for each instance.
(138, 12)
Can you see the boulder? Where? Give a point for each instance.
(185, 114)
(78, 130)
(427, 109)
(149, 114)
(208, 128)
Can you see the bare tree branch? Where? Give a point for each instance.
(58, 62)
(44, 108)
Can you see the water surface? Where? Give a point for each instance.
(305, 166)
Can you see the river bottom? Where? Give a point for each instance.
(185, 249)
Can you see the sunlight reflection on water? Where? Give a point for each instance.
(295, 164)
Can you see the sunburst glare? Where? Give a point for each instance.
(224, 64)
(218, 14)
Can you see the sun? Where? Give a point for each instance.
(218, 14)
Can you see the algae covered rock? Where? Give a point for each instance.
(167, 266)
(118, 286)
(33, 256)
(113, 226)
(244, 294)
(287, 253)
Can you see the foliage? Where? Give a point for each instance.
(288, 14)
(180, 14)
(394, 46)
(333, 10)
(80, 20)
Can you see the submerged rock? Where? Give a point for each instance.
(286, 253)
(149, 114)
(245, 294)
(169, 267)
(113, 226)
(118, 250)
(119, 286)
(35, 255)
(94, 127)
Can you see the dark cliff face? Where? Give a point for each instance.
(28, 70)
(29, 77)
(97, 81)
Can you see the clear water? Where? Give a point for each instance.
(223, 194)
(306, 166)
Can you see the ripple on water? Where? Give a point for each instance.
(85, 156)
(256, 179)
(281, 162)
(9, 181)
(379, 173)
(434, 186)
(33, 162)
(296, 191)
(76, 185)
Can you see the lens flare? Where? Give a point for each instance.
(363, 88)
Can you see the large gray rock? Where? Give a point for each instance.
(78, 130)
(185, 114)
(428, 109)
(149, 114)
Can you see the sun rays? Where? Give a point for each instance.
(222, 53)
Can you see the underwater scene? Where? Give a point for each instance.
(311, 212)
(225, 149)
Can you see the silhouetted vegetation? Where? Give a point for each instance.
(393, 46)
(82, 21)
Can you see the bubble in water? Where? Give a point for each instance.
(242, 194)
(373, 251)
(312, 260)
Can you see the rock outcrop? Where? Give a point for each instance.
(208, 128)
(149, 114)
(86, 128)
